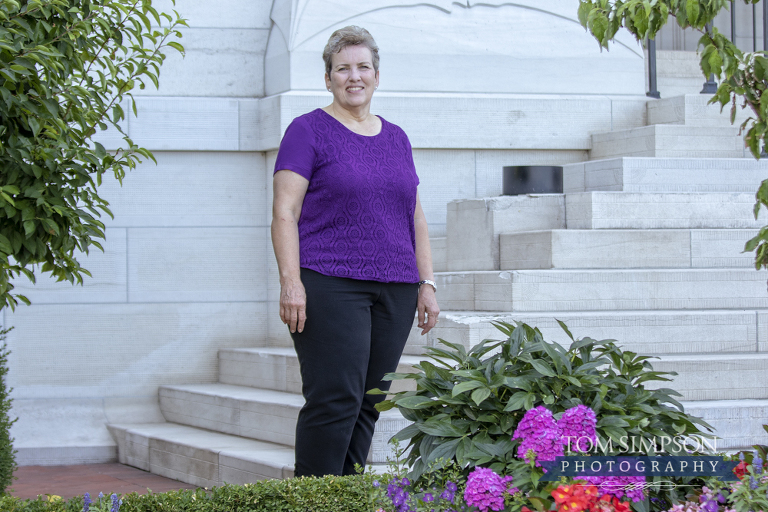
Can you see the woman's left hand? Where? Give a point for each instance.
(427, 308)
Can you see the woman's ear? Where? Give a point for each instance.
(327, 82)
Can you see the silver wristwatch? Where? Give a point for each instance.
(429, 282)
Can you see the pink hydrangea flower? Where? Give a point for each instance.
(578, 425)
(539, 432)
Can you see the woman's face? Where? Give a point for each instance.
(352, 79)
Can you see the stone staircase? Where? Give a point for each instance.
(643, 247)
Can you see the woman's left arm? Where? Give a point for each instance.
(427, 304)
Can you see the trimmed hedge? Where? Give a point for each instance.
(326, 494)
(7, 453)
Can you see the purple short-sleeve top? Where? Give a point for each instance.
(357, 216)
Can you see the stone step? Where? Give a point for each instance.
(678, 72)
(716, 376)
(275, 368)
(260, 414)
(692, 110)
(738, 422)
(667, 140)
(640, 210)
(200, 457)
(602, 290)
(626, 248)
(639, 174)
(474, 225)
(643, 332)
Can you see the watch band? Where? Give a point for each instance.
(429, 282)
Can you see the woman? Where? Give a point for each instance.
(353, 255)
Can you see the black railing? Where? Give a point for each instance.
(710, 86)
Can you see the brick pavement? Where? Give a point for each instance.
(70, 481)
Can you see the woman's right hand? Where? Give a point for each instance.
(293, 304)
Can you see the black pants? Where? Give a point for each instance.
(354, 334)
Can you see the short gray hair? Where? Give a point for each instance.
(350, 36)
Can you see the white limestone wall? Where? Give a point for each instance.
(184, 269)
(188, 266)
(530, 46)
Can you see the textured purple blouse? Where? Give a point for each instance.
(357, 216)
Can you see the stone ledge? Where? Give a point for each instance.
(677, 175)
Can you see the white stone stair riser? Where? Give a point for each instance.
(739, 423)
(716, 377)
(644, 332)
(276, 368)
(666, 141)
(199, 457)
(673, 175)
(638, 248)
(260, 414)
(634, 210)
(602, 290)
(693, 110)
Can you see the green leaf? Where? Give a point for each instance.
(479, 395)
(543, 368)
(414, 402)
(463, 387)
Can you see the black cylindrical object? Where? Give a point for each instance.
(532, 179)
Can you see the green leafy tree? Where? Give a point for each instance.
(742, 77)
(65, 68)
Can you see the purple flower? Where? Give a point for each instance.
(116, 502)
(451, 486)
(376, 483)
(485, 489)
(428, 498)
(539, 433)
(578, 425)
(619, 486)
(757, 464)
(87, 502)
(753, 483)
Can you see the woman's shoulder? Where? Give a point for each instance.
(395, 130)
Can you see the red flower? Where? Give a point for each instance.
(740, 470)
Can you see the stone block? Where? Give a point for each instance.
(595, 249)
(632, 248)
(645, 332)
(439, 246)
(107, 284)
(629, 210)
(197, 264)
(716, 377)
(163, 195)
(545, 129)
(738, 423)
(640, 174)
(692, 110)
(224, 14)
(602, 290)
(186, 124)
(444, 175)
(475, 225)
(662, 140)
(217, 62)
(267, 368)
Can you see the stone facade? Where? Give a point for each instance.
(188, 269)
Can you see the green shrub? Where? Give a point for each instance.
(7, 453)
(467, 403)
(326, 494)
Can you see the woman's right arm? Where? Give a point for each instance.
(289, 191)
